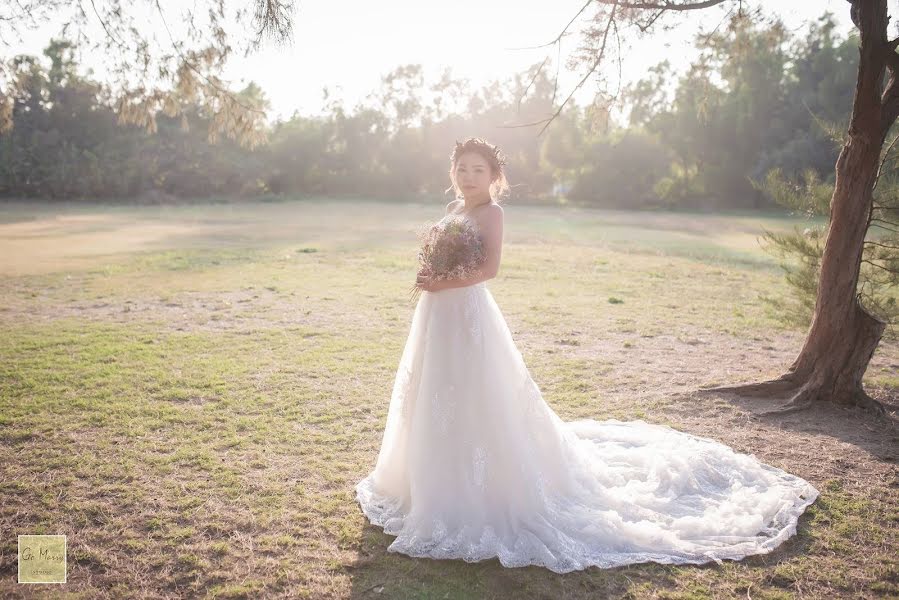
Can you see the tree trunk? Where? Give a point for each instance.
(843, 335)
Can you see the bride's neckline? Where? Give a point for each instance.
(466, 213)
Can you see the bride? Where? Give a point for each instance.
(474, 464)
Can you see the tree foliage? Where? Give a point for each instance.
(150, 77)
(682, 147)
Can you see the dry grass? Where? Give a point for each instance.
(191, 393)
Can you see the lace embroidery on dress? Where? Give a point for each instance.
(401, 389)
(479, 467)
(443, 408)
(470, 310)
(439, 529)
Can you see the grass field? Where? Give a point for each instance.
(191, 393)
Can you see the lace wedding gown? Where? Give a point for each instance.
(474, 464)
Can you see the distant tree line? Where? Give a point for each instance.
(756, 99)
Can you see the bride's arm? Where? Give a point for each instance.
(491, 228)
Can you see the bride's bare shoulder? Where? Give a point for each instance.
(492, 211)
(490, 219)
(451, 207)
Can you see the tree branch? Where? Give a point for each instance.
(660, 6)
(665, 5)
(881, 245)
(593, 67)
(530, 83)
(643, 28)
(105, 28)
(884, 226)
(557, 40)
(886, 155)
(559, 37)
(890, 98)
(887, 269)
(580, 84)
(225, 92)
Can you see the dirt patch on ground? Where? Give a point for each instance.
(237, 311)
(71, 242)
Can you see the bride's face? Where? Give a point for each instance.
(473, 176)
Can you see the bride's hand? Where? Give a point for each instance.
(427, 283)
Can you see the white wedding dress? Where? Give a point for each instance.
(474, 464)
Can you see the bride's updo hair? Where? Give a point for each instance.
(499, 186)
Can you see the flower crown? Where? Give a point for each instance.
(478, 143)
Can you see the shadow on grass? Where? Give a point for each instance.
(379, 573)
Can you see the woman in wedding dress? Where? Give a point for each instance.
(474, 464)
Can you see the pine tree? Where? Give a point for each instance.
(801, 251)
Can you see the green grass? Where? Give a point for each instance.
(194, 408)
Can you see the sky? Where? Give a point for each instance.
(349, 46)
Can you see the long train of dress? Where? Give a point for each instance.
(474, 464)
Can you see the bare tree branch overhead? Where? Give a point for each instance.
(672, 6)
(610, 15)
(843, 334)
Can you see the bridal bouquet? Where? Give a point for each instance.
(450, 249)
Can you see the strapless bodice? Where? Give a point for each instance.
(462, 216)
